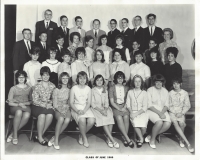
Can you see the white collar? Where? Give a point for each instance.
(152, 26)
(137, 27)
(113, 29)
(45, 21)
(43, 43)
(25, 40)
(121, 62)
(95, 30)
(141, 63)
(125, 29)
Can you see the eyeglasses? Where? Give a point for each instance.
(48, 14)
(21, 77)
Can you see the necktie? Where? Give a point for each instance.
(79, 27)
(47, 25)
(135, 31)
(65, 31)
(123, 31)
(95, 34)
(61, 48)
(28, 47)
(44, 46)
(151, 32)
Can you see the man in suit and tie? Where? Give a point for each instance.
(95, 32)
(127, 33)
(152, 31)
(43, 47)
(138, 32)
(77, 28)
(62, 31)
(60, 47)
(21, 50)
(47, 26)
(112, 34)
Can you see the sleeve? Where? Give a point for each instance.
(149, 98)
(167, 99)
(55, 98)
(111, 92)
(179, 71)
(30, 94)
(93, 100)
(127, 54)
(36, 97)
(145, 101)
(128, 100)
(147, 72)
(16, 52)
(107, 75)
(171, 107)
(186, 104)
(11, 95)
(106, 100)
(91, 71)
(127, 71)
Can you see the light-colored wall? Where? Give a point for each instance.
(180, 18)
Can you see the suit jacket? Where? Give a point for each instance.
(59, 53)
(127, 38)
(111, 38)
(43, 52)
(20, 54)
(96, 39)
(59, 31)
(157, 35)
(40, 27)
(82, 40)
(139, 36)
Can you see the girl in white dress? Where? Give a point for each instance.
(158, 103)
(80, 101)
(99, 67)
(136, 103)
(106, 50)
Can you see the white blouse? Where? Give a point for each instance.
(52, 64)
(120, 94)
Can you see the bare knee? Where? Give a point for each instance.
(60, 119)
(82, 121)
(182, 124)
(91, 121)
(160, 123)
(26, 115)
(41, 117)
(67, 120)
(18, 113)
(49, 116)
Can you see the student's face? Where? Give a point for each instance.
(177, 86)
(21, 79)
(43, 37)
(64, 22)
(48, 15)
(113, 24)
(119, 41)
(117, 57)
(99, 82)
(81, 56)
(153, 55)
(152, 44)
(52, 55)
(79, 22)
(76, 39)
(167, 35)
(137, 82)
(138, 58)
(34, 57)
(65, 80)
(90, 43)
(124, 24)
(60, 41)
(96, 25)
(104, 41)
(171, 57)
(158, 84)
(120, 80)
(151, 20)
(27, 35)
(135, 45)
(82, 80)
(99, 56)
(45, 77)
(66, 58)
(137, 21)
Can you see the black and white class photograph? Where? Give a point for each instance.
(98, 79)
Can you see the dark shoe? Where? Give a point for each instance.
(35, 139)
(131, 144)
(139, 144)
(44, 143)
(125, 143)
(158, 138)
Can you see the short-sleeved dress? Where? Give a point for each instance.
(179, 102)
(107, 54)
(158, 99)
(61, 97)
(137, 101)
(19, 95)
(41, 96)
(100, 100)
(113, 94)
(80, 101)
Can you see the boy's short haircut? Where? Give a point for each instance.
(88, 38)
(59, 37)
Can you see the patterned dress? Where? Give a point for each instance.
(72, 50)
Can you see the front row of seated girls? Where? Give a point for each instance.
(88, 107)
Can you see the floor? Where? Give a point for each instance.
(69, 145)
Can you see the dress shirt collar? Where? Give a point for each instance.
(96, 31)
(137, 27)
(120, 47)
(45, 21)
(25, 40)
(125, 29)
(113, 29)
(43, 43)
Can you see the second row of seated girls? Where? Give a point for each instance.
(89, 107)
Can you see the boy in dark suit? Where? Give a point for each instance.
(62, 31)
(21, 50)
(112, 34)
(43, 47)
(59, 46)
(152, 31)
(127, 33)
(47, 26)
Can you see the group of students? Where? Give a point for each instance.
(96, 86)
